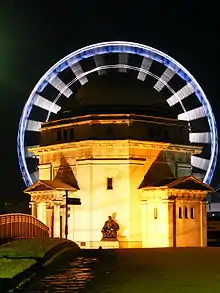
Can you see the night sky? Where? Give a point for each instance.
(35, 35)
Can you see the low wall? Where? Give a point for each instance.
(109, 244)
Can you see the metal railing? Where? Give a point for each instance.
(21, 226)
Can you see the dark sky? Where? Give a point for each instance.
(36, 34)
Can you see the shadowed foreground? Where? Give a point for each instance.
(166, 270)
(169, 270)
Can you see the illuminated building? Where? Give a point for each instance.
(128, 160)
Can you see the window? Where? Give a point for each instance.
(109, 183)
(65, 134)
(192, 213)
(155, 213)
(153, 133)
(59, 135)
(186, 213)
(183, 169)
(109, 129)
(166, 135)
(180, 213)
(71, 134)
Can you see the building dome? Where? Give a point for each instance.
(113, 107)
(115, 93)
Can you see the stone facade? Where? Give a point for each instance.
(115, 177)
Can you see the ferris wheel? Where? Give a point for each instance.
(178, 87)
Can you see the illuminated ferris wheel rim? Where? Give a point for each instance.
(117, 47)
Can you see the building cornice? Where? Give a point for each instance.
(115, 143)
(108, 118)
(166, 193)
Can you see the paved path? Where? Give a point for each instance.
(72, 276)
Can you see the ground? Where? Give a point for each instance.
(156, 270)
(166, 270)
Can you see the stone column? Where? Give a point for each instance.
(49, 221)
(42, 212)
(56, 225)
(203, 223)
(144, 222)
(33, 206)
(172, 223)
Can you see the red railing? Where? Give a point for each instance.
(21, 226)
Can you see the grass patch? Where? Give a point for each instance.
(19, 255)
(29, 248)
(173, 270)
(11, 267)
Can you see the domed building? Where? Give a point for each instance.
(117, 149)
